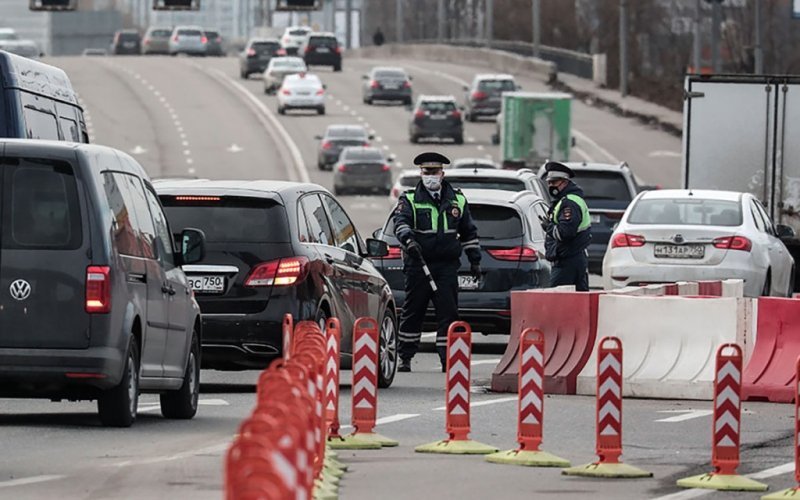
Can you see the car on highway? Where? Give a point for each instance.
(473, 163)
(336, 138)
(301, 91)
(484, 179)
(483, 95)
(188, 40)
(362, 169)
(38, 102)
(608, 189)
(94, 302)
(214, 46)
(436, 116)
(156, 40)
(689, 235)
(386, 83)
(278, 68)
(12, 43)
(274, 248)
(512, 258)
(126, 42)
(293, 37)
(256, 55)
(321, 49)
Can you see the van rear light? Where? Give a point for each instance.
(394, 253)
(733, 243)
(320, 91)
(175, 38)
(406, 84)
(518, 254)
(479, 96)
(374, 84)
(98, 289)
(286, 92)
(623, 240)
(251, 52)
(337, 50)
(420, 114)
(280, 272)
(456, 114)
(308, 49)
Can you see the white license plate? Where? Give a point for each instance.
(667, 251)
(323, 50)
(595, 219)
(207, 284)
(391, 86)
(468, 282)
(128, 44)
(438, 117)
(302, 93)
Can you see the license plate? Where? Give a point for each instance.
(391, 86)
(595, 219)
(323, 50)
(468, 282)
(679, 251)
(438, 117)
(207, 284)
(128, 44)
(303, 93)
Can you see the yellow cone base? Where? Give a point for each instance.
(371, 437)
(783, 494)
(324, 491)
(351, 443)
(332, 471)
(452, 447)
(620, 471)
(726, 482)
(527, 458)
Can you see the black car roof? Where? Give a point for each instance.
(265, 189)
(36, 77)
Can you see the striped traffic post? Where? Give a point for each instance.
(725, 430)
(608, 430)
(288, 328)
(530, 406)
(457, 397)
(333, 338)
(793, 492)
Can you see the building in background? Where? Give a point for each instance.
(28, 25)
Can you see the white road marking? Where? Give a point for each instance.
(182, 135)
(431, 335)
(388, 420)
(764, 474)
(157, 93)
(366, 125)
(470, 139)
(353, 113)
(150, 87)
(385, 147)
(664, 154)
(379, 139)
(360, 118)
(180, 129)
(346, 107)
(30, 480)
(217, 448)
(187, 152)
(191, 171)
(189, 161)
(492, 361)
(185, 143)
(480, 147)
(585, 138)
(138, 150)
(484, 403)
(234, 148)
(162, 99)
(685, 415)
(582, 153)
(338, 102)
(399, 164)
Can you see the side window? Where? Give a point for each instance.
(164, 248)
(40, 118)
(320, 230)
(538, 212)
(767, 221)
(123, 226)
(143, 222)
(759, 221)
(302, 224)
(69, 126)
(343, 229)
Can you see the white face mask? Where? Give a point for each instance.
(431, 182)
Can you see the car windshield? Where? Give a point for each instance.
(298, 32)
(346, 133)
(322, 41)
(161, 33)
(190, 32)
(128, 36)
(229, 220)
(496, 85)
(438, 106)
(362, 155)
(7, 35)
(686, 211)
(390, 74)
(603, 185)
(514, 185)
(263, 47)
(305, 81)
(496, 223)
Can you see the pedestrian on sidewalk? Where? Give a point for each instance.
(377, 38)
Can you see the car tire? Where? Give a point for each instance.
(266, 90)
(368, 101)
(337, 67)
(765, 292)
(337, 191)
(321, 111)
(459, 139)
(387, 350)
(471, 117)
(414, 139)
(117, 406)
(182, 403)
(243, 75)
(407, 102)
(320, 166)
(281, 110)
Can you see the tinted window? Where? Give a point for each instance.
(362, 155)
(40, 205)
(322, 41)
(70, 129)
(318, 227)
(603, 185)
(496, 85)
(161, 33)
(495, 222)
(265, 47)
(693, 211)
(390, 74)
(212, 34)
(438, 106)
(143, 221)
(123, 226)
(163, 242)
(514, 185)
(40, 121)
(8, 36)
(190, 32)
(302, 224)
(129, 37)
(356, 133)
(298, 32)
(230, 219)
(343, 230)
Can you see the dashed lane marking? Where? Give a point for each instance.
(486, 402)
(388, 419)
(684, 415)
(30, 480)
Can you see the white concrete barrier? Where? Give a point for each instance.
(690, 288)
(733, 288)
(669, 342)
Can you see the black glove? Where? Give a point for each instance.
(547, 224)
(414, 250)
(475, 270)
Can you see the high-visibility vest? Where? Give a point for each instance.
(586, 219)
(461, 201)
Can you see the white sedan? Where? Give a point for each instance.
(690, 235)
(279, 68)
(301, 91)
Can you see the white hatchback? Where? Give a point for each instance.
(690, 235)
(293, 38)
(301, 91)
(279, 68)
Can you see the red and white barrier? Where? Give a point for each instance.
(333, 339)
(793, 492)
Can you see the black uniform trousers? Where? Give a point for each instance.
(418, 295)
(573, 270)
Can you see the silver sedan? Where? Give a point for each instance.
(278, 69)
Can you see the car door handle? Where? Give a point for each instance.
(329, 259)
(167, 289)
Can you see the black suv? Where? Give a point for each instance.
(438, 117)
(512, 248)
(275, 248)
(322, 49)
(256, 55)
(93, 301)
(126, 42)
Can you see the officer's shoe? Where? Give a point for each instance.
(405, 366)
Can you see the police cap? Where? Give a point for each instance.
(431, 160)
(556, 170)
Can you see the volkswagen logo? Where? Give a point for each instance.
(678, 238)
(20, 289)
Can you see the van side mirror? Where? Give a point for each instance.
(784, 232)
(365, 77)
(466, 89)
(318, 137)
(193, 246)
(377, 248)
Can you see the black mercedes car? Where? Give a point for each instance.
(512, 248)
(273, 248)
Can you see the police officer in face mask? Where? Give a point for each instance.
(568, 229)
(433, 224)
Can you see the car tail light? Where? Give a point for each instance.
(286, 92)
(342, 167)
(280, 272)
(622, 240)
(365, 144)
(327, 145)
(519, 254)
(406, 84)
(98, 289)
(175, 38)
(613, 215)
(337, 50)
(251, 52)
(374, 84)
(394, 253)
(456, 114)
(386, 168)
(281, 52)
(320, 91)
(420, 114)
(204, 40)
(395, 193)
(308, 49)
(147, 41)
(479, 96)
(733, 243)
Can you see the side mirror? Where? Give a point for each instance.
(785, 232)
(377, 248)
(324, 86)
(519, 87)
(193, 246)
(466, 89)
(462, 108)
(410, 78)
(365, 77)
(318, 137)
(371, 137)
(572, 143)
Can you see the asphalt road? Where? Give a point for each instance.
(194, 117)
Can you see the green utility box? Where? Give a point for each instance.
(534, 128)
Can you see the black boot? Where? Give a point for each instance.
(405, 366)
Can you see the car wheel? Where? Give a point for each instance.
(414, 139)
(337, 67)
(266, 90)
(337, 190)
(407, 102)
(387, 353)
(117, 406)
(321, 318)
(368, 101)
(459, 139)
(766, 291)
(281, 110)
(182, 403)
(320, 166)
(321, 111)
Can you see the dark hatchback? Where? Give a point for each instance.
(436, 117)
(512, 248)
(126, 42)
(362, 169)
(322, 49)
(256, 55)
(336, 138)
(274, 248)
(386, 84)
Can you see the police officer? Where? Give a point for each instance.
(433, 225)
(568, 228)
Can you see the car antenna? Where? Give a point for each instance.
(691, 193)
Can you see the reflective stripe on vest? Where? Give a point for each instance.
(461, 201)
(586, 219)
